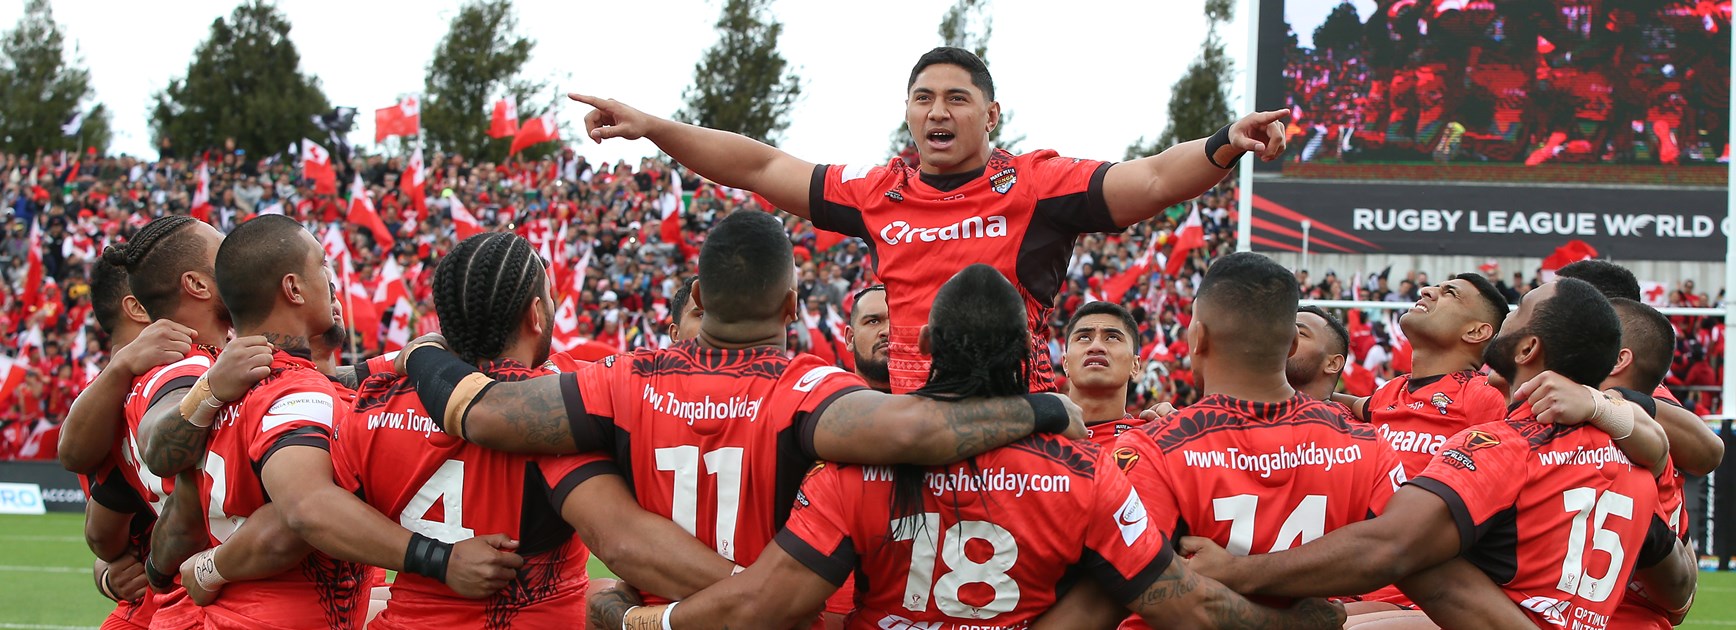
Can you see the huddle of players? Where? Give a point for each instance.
(265, 483)
(963, 502)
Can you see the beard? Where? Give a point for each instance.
(1301, 371)
(333, 338)
(871, 368)
(1499, 355)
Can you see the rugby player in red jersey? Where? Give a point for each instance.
(978, 544)
(275, 441)
(966, 202)
(1448, 328)
(1694, 447)
(716, 433)
(1100, 362)
(868, 332)
(1515, 498)
(1665, 576)
(1322, 347)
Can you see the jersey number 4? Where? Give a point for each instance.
(920, 530)
(1584, 503)
(447, 487)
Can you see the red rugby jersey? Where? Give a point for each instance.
(715, 440)
(1104, 433)
(174, 609)
(1555, 515)
(400, 460)
(1417, 415)
(563, 362)
(109, 489)
(995, 536)
(295, 405)
(1259, 477)
(1020, 215)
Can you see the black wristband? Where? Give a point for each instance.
(427, 557)
(160, 581)
(436, 372)
(1050, 414)
(1219, 140)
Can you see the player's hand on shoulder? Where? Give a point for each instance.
(243, 362)
(1159, 410)
(612, 119)
(160, 343)
(1556, 399)
(483, 565)
(1261, 133)
(430, 339)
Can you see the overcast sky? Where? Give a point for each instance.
(1084, 77)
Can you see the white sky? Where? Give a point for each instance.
(1084, 77)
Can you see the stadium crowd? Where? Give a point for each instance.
(612, 212)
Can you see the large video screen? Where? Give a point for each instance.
(1491, 89)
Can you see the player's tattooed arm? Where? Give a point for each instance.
(529, 416)
(606, 608)
(1181, 598)
(869, 427)
(1417, 531)
(171, 445)
(262, 547)
(1087, 605)
(180, 530)
(1456, 594)
(347, 376)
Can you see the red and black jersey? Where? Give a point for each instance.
(1104, 433)
(109, 488)
(398, 459)
(716, 440)
(1555, 515)
(294, 405)
(995, 535)
(1020, 215)
(1417, 415)
(1259, 477)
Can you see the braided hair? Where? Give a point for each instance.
(481, 291)
(982, 348)
(154, 260)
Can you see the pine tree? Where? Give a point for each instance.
(959, 28)
(246, 83)
(743, 84)
(1198, 103)
(478, 62)
(40, 90)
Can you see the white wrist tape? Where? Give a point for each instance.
(205, 570)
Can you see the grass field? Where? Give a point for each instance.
(45, 583)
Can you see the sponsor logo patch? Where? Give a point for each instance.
(1440, 401)
(1130, 519)
(1479, 440)
(1125, 458)
(1004, 180)
(1459, 460)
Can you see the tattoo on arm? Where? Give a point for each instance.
(346, 376)
(526, 415)
(608, 608)
(980, 425)
(1179, 589)
(175, 444)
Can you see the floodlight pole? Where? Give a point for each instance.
(1245, 193)
(1729, 406)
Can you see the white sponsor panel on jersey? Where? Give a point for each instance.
(313, 407)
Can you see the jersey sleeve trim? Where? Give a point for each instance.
(1127, 589)
(316, 437)
(112, 491)
(587, 430)
(833, 568)
(810, 422)
(1085, 211)
(829, 216)
(1659, 544)
(580, 475)
(1456, 505)
(174, 384)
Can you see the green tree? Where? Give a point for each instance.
(1198, 102)
(245, 82)
(743, 84)
(966, 24)
(479, 61)
(1341, 30)
(40, 90)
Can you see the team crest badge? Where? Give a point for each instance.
(1125, 458)
(1004, 180)
(895, 196)
(1440, 401)
(1479, 440)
